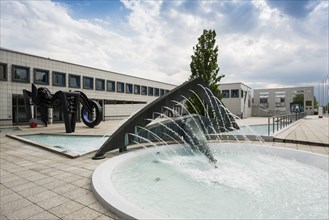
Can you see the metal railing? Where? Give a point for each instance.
(278, 122)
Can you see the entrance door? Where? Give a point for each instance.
(18, 110)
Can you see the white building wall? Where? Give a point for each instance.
(122, 110)
(289, 93)
(241, 105)
(8, 87)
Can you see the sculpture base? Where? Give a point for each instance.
(99, 157)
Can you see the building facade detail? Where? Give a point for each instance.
(119, 95)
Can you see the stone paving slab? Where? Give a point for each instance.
(311, 129)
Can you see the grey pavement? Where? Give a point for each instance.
(38, 184)
(309, 130)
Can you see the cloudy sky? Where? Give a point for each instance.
(261, 43)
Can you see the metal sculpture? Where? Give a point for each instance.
(91, 112)
(120, 138)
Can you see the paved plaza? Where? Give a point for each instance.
(38, 184)
(310, 130)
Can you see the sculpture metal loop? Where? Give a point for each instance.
(91, 113)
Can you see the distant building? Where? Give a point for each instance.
(120, 95)
(268, 102)
(237, 98)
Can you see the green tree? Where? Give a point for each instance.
(316, 103)
(204, 64)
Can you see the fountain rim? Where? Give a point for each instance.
(105, 192)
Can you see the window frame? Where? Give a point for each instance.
(280, 102)
(131, 88)
(262, 103)
(226, 93)
(58, 73)
(35, 70)
(150, 91)
(143, 88)
(113, 85)
(88, 78)
(79, 82)
(235, 91)
(14, 67)
(138, 87)
(5, 72)
(103, 83)
(123, 87)
(156, 92)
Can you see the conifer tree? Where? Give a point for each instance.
(204, 64)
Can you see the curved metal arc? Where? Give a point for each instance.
(117, 139)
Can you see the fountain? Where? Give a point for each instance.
(174, 178)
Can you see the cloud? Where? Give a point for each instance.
(298, 9)
(261, 43)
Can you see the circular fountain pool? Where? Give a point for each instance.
(251, 181)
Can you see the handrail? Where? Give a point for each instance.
(281, 121)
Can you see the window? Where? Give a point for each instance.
(308, 103)
(120, 87)
(88, 82)
(110, 86)
(137, 89)
(280, 102)
(41, 76)
(226, 93)
(150, 91)
(100, 84)
(157, 92)
(162, 92)
(3, 72)
(280, 97)
(241, 93)
(129, 88)
(21, 74)
(263, 102)
(74, 81)
(59, 79)
(234, 93)
(144, 90)
(298, 97)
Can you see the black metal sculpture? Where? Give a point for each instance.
(120, 138)
(91, 112)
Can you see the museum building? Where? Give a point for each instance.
(120, 95)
